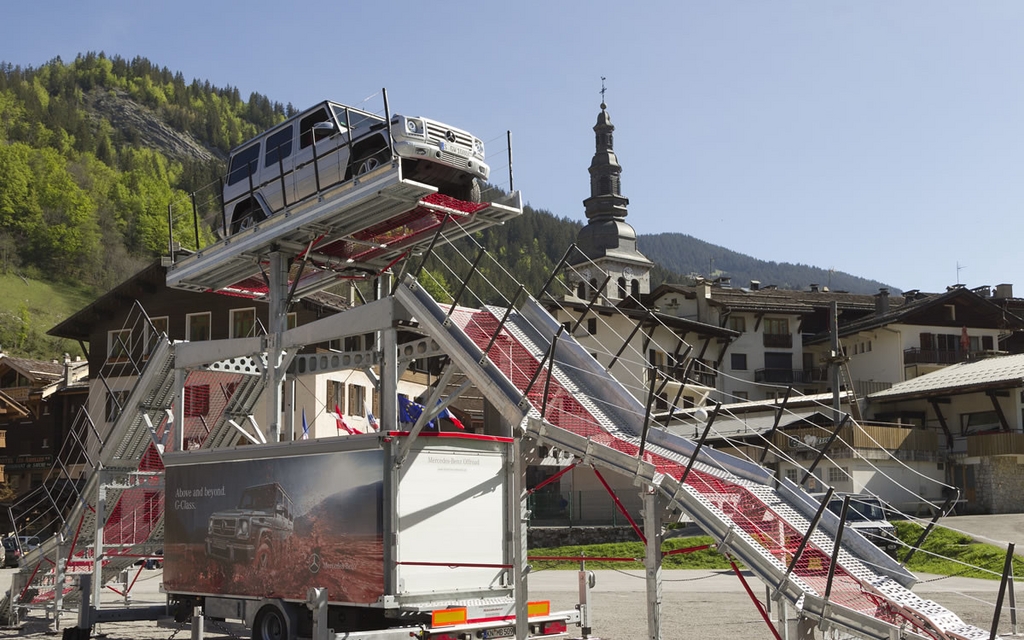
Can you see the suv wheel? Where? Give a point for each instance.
(370, 162)
(263, 555)
(245, 217)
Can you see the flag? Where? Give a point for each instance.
(342, 426)
(305, 427)
(965, 341)
(409, 412)
(372, 421)
(445, 413)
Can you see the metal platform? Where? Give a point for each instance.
(357, 229)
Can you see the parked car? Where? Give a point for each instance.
(277, 169)
(868, 515)
(14, 548)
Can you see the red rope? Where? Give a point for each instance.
(757, 603)
(620, 506)
(554, 477)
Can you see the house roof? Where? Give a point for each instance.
(36, 370)
(970, 310)
(966, 377)
(147, 281)
(635, 311)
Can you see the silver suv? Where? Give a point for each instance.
(256, 531)
(868, 515)
(330, 144)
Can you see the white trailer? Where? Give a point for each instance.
(369, 536)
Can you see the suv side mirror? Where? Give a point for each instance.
(324, 129)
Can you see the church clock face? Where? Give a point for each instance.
(627, 273)
(586, 275)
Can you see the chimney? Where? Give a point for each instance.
(882, 301)
(1004, 291)
(703, 295)
(814, 288)
(911, 295)
(755, 285)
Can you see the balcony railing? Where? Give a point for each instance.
(778, 340)
(933, 356)
(911, 442)
(995, 444)
(783, 376)
(699, 374)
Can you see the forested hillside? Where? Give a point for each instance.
(708, 260)
(95, 151)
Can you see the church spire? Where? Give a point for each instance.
(606, 202)
(607, 241)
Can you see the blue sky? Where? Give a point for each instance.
(881, 138)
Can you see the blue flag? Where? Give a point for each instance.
(305, 427)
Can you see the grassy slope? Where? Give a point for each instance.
(958, 551)
(29, 309)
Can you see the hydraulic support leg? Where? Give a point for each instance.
(652, 561)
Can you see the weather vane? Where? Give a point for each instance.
(602, 89)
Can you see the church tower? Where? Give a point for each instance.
(607, 242)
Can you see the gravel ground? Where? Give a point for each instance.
(710, 605)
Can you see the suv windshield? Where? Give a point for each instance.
(264, 497)
(861, 509)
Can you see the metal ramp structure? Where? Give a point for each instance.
(570, 402)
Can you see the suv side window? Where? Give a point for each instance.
(243, 164)
(279, 145)
(306, 126)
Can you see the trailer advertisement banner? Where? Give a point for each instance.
(275, 527)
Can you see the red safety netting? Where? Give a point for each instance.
(737, 502)
(402, 230)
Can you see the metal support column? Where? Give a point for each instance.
(518, 517)
(278, 321)
(652, 561)
(389, 380)
(97, 552)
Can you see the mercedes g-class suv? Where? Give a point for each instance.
(332, 143)
(867, 514)
(255, 531)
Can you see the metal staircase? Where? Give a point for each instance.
(756, 518)
(118, 503)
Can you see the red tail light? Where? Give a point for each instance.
(558, 626)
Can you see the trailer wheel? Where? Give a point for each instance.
(270, 624)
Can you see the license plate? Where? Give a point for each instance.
(454, 149)
(499, 632)
(219, 544)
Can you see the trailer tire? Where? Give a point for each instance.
(270, 624)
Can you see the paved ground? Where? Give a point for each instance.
(997, 529)
(709, 605)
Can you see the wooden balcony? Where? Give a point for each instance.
(913, 443)
(995, 444)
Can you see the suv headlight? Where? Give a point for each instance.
(243, 528)
(478, 147)
(414, 126)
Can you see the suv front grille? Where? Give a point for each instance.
(224, 527)
(436, 133)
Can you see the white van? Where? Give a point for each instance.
(278, 168)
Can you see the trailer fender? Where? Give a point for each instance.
(272, 619)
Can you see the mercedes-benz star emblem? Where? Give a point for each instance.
(449, 135)
(315, 563)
